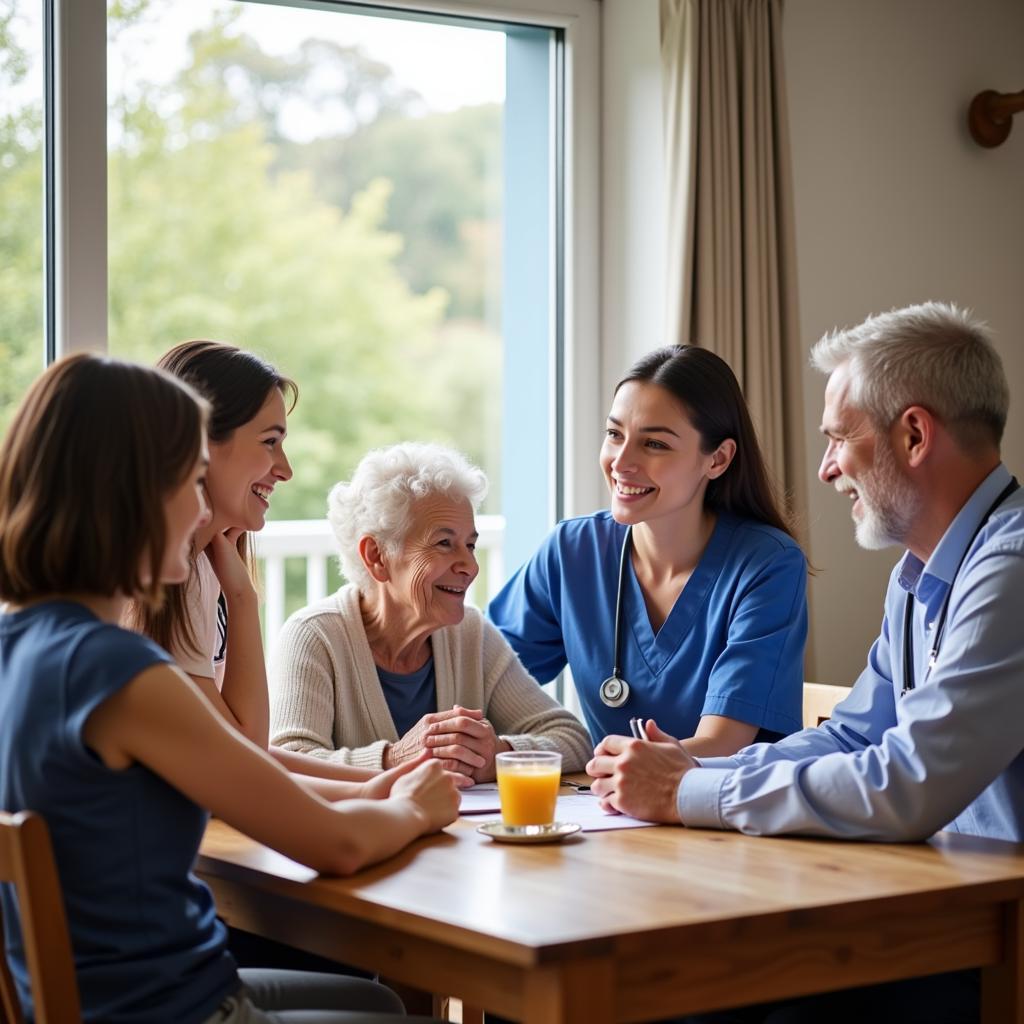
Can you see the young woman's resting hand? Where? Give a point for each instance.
(380, 785)
(229, 567)
(430, 793)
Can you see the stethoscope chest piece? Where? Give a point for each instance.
(614, 692)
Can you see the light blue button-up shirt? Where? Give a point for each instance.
(948, 754)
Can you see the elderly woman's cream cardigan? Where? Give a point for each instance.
(326, 699)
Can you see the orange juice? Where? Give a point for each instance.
(528, 793)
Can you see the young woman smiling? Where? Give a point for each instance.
(210, 624)
(685, 601)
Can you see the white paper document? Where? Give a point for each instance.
(585, 809)
(579, 807)
(480, 799)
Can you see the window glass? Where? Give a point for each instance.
(343, 193)
(323, 188)
(21, 200)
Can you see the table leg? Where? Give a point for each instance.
(1002, 986)
(452, 1009)
(576, 993)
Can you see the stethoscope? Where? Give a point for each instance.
(615, 690)
(908, 608)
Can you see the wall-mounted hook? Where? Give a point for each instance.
(990, 116)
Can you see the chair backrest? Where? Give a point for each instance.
(819, 700)
(26, 860)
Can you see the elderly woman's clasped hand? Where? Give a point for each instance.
(461, 738)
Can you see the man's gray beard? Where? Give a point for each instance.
(885, 518)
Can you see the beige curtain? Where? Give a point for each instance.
(731, 259)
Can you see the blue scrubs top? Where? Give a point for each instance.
(732, 645)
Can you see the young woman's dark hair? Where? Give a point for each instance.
(236, 384)
(706, 387)
(85, 468)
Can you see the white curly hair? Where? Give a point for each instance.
(378, 500)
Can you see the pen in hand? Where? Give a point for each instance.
(636, 727)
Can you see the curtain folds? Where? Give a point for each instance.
(731, 259)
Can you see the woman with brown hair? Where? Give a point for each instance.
(249, 402)
(685, 601)
(210, 623)
(101, 491)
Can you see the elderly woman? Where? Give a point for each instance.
(394, 662)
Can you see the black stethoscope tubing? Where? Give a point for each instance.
(615, 690)
(908, 608)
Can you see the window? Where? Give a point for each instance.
(369, 201)
(22, 248)
(567, 376)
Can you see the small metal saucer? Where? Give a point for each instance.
(552, 833)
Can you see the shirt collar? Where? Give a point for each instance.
(929, 581)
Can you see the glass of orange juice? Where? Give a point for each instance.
(528, 786)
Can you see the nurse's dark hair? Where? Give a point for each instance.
(88, 462)
(236, 383)
(708, 391)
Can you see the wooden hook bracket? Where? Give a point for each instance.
(990, 116)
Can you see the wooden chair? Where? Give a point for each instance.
(26, 859)
(819, 700)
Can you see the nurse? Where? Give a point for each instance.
(685, 601)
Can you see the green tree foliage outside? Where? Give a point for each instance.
(446, 207)
(221, 226)
(21, 220)
(352, 262)
(445, 166)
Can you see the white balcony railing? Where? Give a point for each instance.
(312, 541)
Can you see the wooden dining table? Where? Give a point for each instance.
(643, 924)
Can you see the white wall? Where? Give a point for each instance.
(895, 204)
